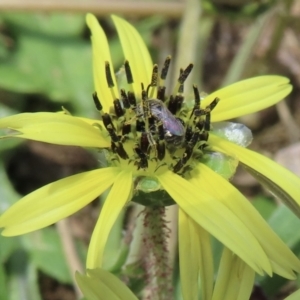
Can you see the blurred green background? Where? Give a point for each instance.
(45, 63)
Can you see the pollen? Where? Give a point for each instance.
(153, 132)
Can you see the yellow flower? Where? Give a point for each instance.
(149, 151)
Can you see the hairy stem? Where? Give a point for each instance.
(157, 267)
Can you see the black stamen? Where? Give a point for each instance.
(128, 72)
(97, 101)
(204, 137)
(125, 99)
(207, 122)
(144, 94)
(121, 151)
(197, 96)
(110, 127)
(161, 150)
(172, 105)
(188, 133)
(179, 101)
(183, 76)
(143, 163)
(126, 129)
(144, 142)
(109, 79)
(140, 126)
(131, 99)
(154, 78)
(165, 69)
(213, 104)
(161, 93)
(180, 89)
(188, 152)
(161, 132)
(118, 108)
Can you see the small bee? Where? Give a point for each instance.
(173, 128)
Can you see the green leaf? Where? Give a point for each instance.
(3, 283)
(8, 195)
(284, 222)
(52, 24)
(8, 246)
(264, 205)
(22, 278)
(45, 249)
(50, 59)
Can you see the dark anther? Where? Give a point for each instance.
(207, 122)
(143, 163)
(213, 104)
(110, 127)
(183, 76)
(161, 150)
(197, 97)
(152, 123)
(195, 138)
(144, 94)
(118, 108)
(107, 121)
(121, 151)
(188, 133)
(128, 72)
(126, 129)
(109, 79)
(125, 99)
(97, 101)
(154, 78)
(181, 88)
(144, 142)
(132, 99)
(182, 161)
(165, 69)
(113, 147)
(204, 136)
(188, 152)
(161, 93)
(200, 125)
(161, 132)
(179, 101)
(172, 105)
(140, 126)
(112, 133)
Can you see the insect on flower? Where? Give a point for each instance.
(157, 123)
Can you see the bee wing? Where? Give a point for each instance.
(274, 189)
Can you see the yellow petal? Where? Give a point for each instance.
(55, 201)
(282, 259)
(195, 256)
(248, 96)
(101, 55)
(55, 128)
(235, 279)
(136, 52)
(286, 184)
(217, 219)
(188, 258)
(116, 200)
(101, 285)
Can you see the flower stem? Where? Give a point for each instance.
(157, 268)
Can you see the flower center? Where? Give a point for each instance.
(153, 132)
